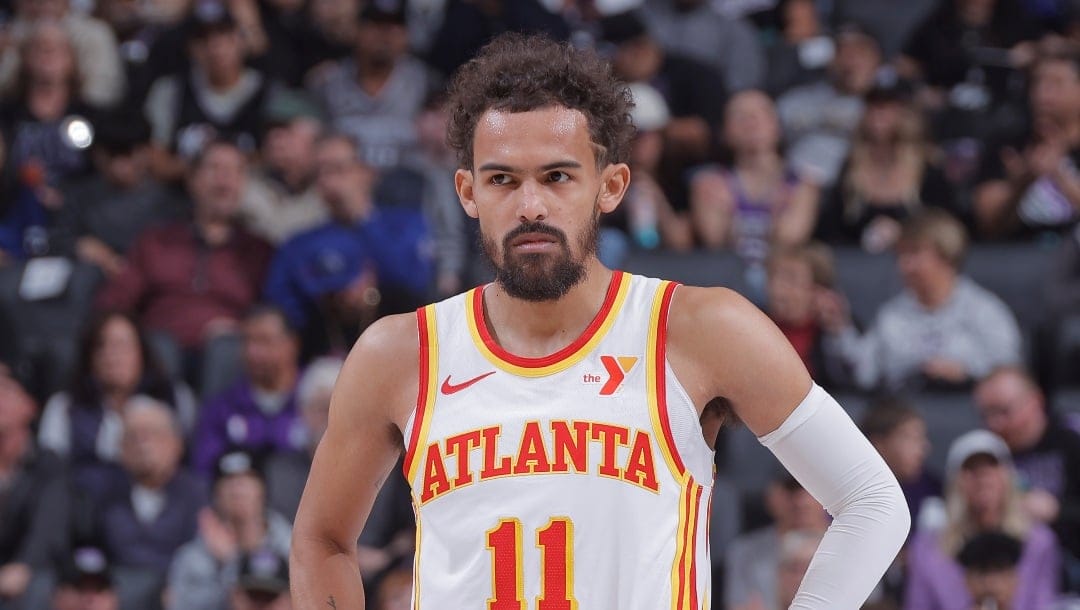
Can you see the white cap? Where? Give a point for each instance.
(650, 111)
(973, 443)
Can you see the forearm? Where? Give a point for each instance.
(323, 575)
(870, 517)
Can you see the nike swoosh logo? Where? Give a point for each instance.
(451, 388)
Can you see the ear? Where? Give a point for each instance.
(615, 179)
(463, 184)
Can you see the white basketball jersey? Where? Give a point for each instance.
(577, 481)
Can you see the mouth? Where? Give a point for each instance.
(534, 242)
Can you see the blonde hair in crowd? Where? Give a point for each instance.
(959, 528)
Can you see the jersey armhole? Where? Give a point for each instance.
(416, 428)
(656, 378)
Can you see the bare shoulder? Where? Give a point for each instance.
(722, 345)
(381, 373)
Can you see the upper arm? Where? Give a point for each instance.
(374, 394)
(721, 345)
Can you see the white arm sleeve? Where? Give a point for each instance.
(821, 447)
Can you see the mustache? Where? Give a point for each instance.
(534, 227)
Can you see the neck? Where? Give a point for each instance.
(1035, 434)
(754, 160)
(936, 294)
(215, 231)
(280, 382)
(223, 81)
(373, 75)
(531, 329)
(156, 480)
(881, 152)
(987, 518)
(115, 398)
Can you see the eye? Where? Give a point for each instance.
(558, 177)
(500, 179)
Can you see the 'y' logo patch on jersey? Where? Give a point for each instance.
(617, 369)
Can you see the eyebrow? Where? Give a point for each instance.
(498, 167)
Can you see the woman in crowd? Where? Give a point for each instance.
(114, 364)
(981, 496)
(890, 173)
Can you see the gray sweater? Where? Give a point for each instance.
(973, 327)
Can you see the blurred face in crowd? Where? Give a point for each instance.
(923, 269)
(34, 10)
(395, 591)
(1012, 408)
(793, 509)
(122, 15)
(380, 45)
(996, 585)
(800, 20)
(341, 176)
(750, 123)
(335, 19)
(240, 498)
(118, 359)
(151, 446)
(791, 290)
(637, 60)
(49, 55)
(905, 448)
(883, 121)
(1055, 91)
(975, 12)
(289, 151)
(270, 351)
(217, 183)
(856, 63)
(220, 55)
(260, 600)
(984, 482)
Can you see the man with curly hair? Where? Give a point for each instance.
(557, 424)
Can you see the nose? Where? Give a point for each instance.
(531, 206)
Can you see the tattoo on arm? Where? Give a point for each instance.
(330, 602)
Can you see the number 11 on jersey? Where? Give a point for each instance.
(556, 543)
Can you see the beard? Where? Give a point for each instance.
(537, 276)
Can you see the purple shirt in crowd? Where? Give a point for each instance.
(936, 581)
(233, 421)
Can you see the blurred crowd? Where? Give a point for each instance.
(203, 203)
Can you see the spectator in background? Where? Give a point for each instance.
(981, 496)
(898, 432)
(258, 414)
(797, 548)
(333, 32)
(190, 282)
(990, 561)
(890, 173)
(84, 423)
(943, 330)
(86, 582)
(696, 29)
(758, 201)
(819, 119)
(106, 211)
(280, 199)
(753, 559)
(467, 25)
(287, 471)
(238, 522)
(153, 507)
(645, 219)
(971, 44)
(263, 583)
(375, 96)
(804, 50)
(219, 98)
(436, 163)
(1045, 451)
(797, 276)
(33, 495)
(1031, 184)
(331, 281)
(890, 22)
(395, 589)
(100, 76)
(694, 92)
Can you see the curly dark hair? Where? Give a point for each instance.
(519, 73)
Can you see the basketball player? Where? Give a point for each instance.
(557, 424)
